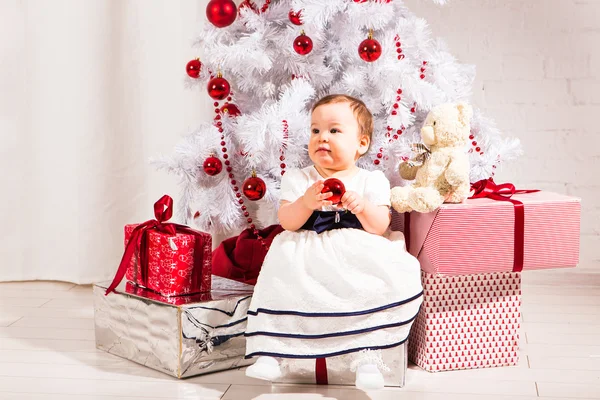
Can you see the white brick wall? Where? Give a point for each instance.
(538, 76)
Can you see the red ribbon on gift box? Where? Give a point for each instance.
(163, 211)
(321, 371)
(504, 192)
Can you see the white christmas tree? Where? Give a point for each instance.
(268, 61)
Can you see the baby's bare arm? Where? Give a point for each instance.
(374, 219)
(293, 215)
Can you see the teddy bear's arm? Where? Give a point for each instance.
(457, 172)
(407, 171)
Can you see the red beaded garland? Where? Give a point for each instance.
(283, 146)
(236, 189)
(399, 49)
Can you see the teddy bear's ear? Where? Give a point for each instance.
(465, 113)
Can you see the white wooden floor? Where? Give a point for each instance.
(47, 352)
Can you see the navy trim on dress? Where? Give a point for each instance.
(338, 353)
(328, 335)
(339, 314)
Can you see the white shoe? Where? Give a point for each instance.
(368, 377)
(265, 368)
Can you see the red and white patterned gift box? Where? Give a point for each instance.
(468, 321)
(479, 235)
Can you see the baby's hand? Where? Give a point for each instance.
(353, 202)
(314, 199)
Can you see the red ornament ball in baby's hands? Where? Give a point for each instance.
(336, 187)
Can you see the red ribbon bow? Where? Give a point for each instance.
(163, 211)
(504, 192)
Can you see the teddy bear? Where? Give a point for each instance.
(441, 166)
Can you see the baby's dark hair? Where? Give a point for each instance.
(361, 112)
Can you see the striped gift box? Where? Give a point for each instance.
(477, 236)
(469, 321)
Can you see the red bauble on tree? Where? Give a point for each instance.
(212, 166)
(254, 188)
(231, 109)
(221, 13)
(193, 68)
(218, 88)
(369, 49)
(303, 44)
(336, 187)
(295, 17)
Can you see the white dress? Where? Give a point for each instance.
(337, 292)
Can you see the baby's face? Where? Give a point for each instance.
(335, 142)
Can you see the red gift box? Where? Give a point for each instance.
(468, 321)
(485, 235)
(167, 258)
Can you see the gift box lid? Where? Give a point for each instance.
(478, 236)
(222, 288)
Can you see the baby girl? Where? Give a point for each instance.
(331, 284)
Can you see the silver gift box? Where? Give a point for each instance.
(181, 336)
(340, 371)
